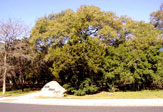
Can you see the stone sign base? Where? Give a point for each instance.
(52, 89)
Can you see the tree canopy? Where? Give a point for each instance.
(157, 18)
(92, 50)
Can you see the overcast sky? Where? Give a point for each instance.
(30, 10)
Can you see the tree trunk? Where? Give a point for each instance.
(21, 79)
(4, 74)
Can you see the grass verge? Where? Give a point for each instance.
(144, 94)
(16, 93)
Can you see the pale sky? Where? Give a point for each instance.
(30, 10)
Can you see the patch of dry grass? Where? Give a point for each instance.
(122, 95)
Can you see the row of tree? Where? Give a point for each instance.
(87, 51)
(20, 64)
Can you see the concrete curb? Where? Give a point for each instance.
(88, 102)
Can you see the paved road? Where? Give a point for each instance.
(9, 107)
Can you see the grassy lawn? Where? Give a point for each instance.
(17, 92)
(102, 95)
(122, 95)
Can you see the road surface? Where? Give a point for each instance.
(10, 107)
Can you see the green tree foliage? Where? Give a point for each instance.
(137, 62)
(73, 39)
(78, 66)
(157, 18)
(89, 50)
(116, 68)
(39, 72)
(77, 26)
(21, 56)
(127, 68)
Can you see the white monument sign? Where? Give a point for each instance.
(52, 89)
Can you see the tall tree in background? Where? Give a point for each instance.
(137, 62)
(88, 21)
(21, 56)
(90, 49)
(9, 31)
(157, 18)
(73, 41)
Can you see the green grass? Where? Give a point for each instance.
(16, 92)
(122, 95)
(102, 95)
